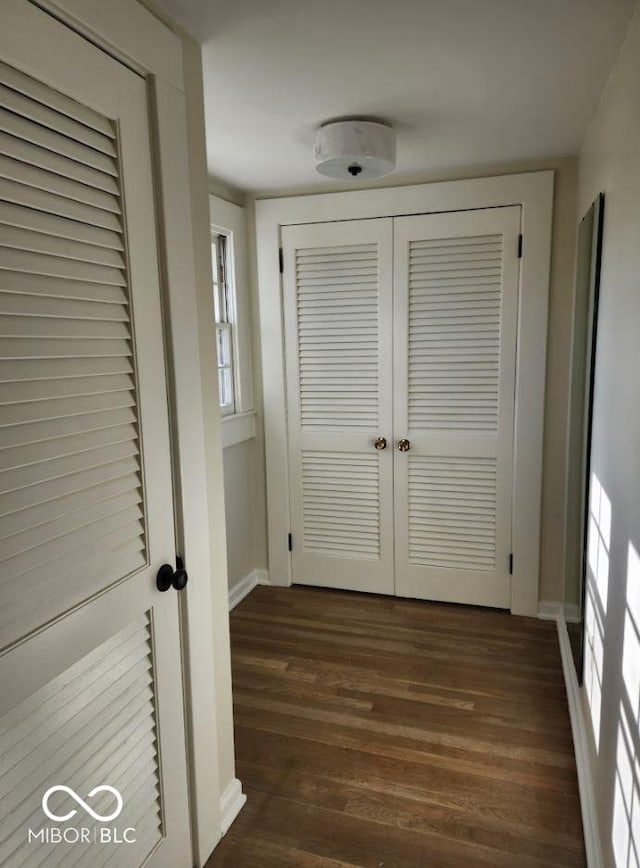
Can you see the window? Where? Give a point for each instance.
(232, 315)
(222, 299)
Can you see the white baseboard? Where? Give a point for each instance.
(244, 587)
(549, 610)
(572, 613)
(592, 843)
(231, 803)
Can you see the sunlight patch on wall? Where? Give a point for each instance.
(625, 833)
(597, 588)
(626, 808)
(593, 661)
(599, 539)
(631, 646)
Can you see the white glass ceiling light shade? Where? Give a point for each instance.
(355, 149)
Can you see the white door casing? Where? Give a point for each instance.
(91, 661)
(338, 320)
(533, 192)
(455, 326)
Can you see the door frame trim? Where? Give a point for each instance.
(159, 57)
(533, 191)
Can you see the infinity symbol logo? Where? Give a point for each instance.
(63, 818)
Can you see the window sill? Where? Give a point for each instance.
(238, 428)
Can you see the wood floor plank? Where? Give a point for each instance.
(372, 731)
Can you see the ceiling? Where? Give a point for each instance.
(464, 82)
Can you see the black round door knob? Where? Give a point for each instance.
(180, 579)
(167, 578)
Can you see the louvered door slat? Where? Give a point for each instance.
(124, 547)
(62, 206)
(37, 242)
(54, 466)
(456, 302)
(27, 131)
(25, 370)
(54, 266)
(41, 179)
(65, 523)
(15, 304)
(44, 285)
(26, 152)
(43, 498)
(74, 444)
(338, 331)
(60, 408)
(77, 423)
(37, 221)
(52, 119)
(60, 327)
(53, 99)
(82, 538)
(63, 302)
(62, 387)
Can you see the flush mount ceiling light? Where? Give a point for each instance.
(355, 149)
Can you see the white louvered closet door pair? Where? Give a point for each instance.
(403, 330)
(90, 674)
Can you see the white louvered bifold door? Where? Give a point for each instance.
(456, 299)
(338, 324)
(91, 683)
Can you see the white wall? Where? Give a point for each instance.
(244, 515)
(610, 162)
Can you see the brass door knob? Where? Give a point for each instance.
(380, 443)
(404, 445)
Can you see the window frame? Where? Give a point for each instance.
(228, 219)
(224, 282)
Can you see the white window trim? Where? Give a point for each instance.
(230, 220)
(238, 428)
(228, 410)
(533, 191)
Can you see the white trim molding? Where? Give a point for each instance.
(232, 802)
(244, 587)
(590, 827)
(572, 613)
(549, 610)
(116, 27)
(238, 428)
(231, 220)
(533, 192)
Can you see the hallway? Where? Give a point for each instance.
(374, 731)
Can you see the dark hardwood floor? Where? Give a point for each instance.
(387, 733)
